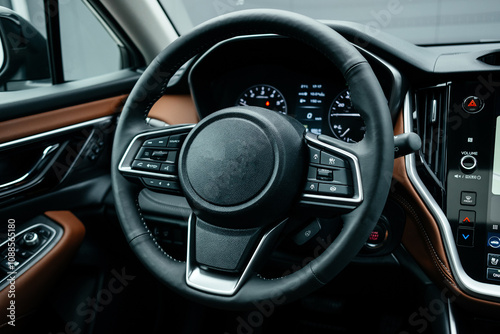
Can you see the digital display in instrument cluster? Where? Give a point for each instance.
(311, 107)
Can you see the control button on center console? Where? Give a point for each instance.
(9, 266)
(494, 260)
(494, 241)
(493, 274)
(468, 198)
(31, 239)
(468, 164)
(465, 237)
(467, 218)
(473, 104)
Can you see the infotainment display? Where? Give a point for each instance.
(495, 180)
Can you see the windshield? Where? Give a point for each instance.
(424, 22)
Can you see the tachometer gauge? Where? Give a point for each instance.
(345, 123)
(264, 96)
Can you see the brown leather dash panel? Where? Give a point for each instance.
(175, 109)
(422, 239)
(36, 282)
(50, 120)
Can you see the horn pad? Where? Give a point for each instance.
(242, 166)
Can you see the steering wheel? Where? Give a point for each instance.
(244, 169)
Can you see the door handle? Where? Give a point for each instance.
(46, 154)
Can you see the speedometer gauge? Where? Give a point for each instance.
(345, 123)
(264, 96)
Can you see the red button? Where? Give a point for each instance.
(473, 104)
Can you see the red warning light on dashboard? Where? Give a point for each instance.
(267, 103)
(472, 103)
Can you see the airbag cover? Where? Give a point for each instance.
(229, 162)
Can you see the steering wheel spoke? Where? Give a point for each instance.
(152, 158)
(333, 175)
(220, 260)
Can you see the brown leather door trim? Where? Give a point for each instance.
(34, 284)
(51, 120)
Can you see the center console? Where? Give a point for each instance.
(473, 179)
(457, 174)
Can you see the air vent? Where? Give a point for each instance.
(430, 119)
(491, 59)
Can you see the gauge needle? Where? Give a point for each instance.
(346, 131)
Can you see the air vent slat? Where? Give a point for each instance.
(431, 115)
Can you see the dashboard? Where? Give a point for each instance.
(269, 73)
(449, 99)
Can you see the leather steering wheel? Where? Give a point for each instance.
(243, 170)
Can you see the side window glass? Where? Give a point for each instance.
(79, 47)
(87, 48)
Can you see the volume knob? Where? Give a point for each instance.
(468, 164)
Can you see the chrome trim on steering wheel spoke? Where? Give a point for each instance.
(125, 165)
(465, 282)
(217, 282)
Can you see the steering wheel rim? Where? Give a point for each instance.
(375, 154)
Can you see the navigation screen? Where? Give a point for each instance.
(495, 183)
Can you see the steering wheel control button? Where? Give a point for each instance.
(157, 142)
(145, 153)
(307, 233)
(324, 174)
(159, 155)
(314, 155)
(312, 173)
(168, 169)
(493, 274)
(30, 239)
(465, 237)
(494, 260)
(161, 184)
(468, 164)
(146, 166)
(468, 198)
(334, 190)
(172, 157)
(311, 187)
(331, 160)
(473, 104)
(467, 218)
(175, 141)
(493, 241)
(342, 176)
